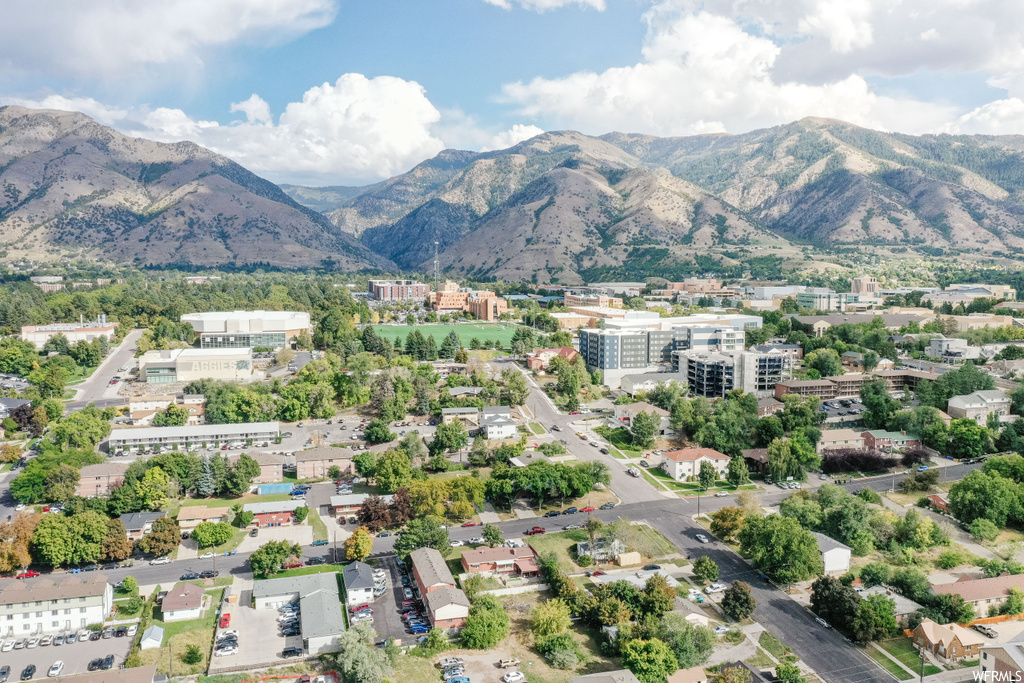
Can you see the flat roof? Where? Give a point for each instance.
(320, 611)
(196, 431)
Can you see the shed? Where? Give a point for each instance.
(628, 559)
(152, 638)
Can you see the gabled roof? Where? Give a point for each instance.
(46, 588)
(201, 512)
(620, 676)
(103, 469)
(980, 589)
(324, 453)
(183, 596)
(358, 576)
(694, 454)
(274, 506)
(444, 596)
(826, 543)
(501, 554)
(641, 407)
(137, 521)
(459, 411)
(944, 633)
(431, 567)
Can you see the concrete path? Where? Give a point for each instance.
(488, 515)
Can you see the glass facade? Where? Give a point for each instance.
(242, 340)
(161, 375)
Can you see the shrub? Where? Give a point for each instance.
(585, 561)
(984, 529)
(949, 559)
(193, 655)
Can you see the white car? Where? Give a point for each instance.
(456, 544)
(207, 556)
(228, 633)
(702, 538)
(7, 646)
(513, 677)
(32, 642)
(714, 588)
(226, 653)
(721, 494)
(161, 560)
(719, 630)
(21, 506)
(55, 669)
(476, 540)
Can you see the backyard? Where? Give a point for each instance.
(179, 635)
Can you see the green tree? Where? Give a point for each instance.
(834, 602)
(193, 655)
(980, 495)
(268, 558)
(726, 522)
(209, 534)
(61, 483)
(449, 437)
(692, 645)
(1014, 601)
(738, 472)
(657, 597)
(652, 661)
(358, 660)
(781, 548)
(984, 530)
(492, 535)
(152, 489)
(427, 532)
(967, 439)
(130, 585)
(707, 475)
(825, 361)
(172, 416)
(737, 602)
(301, 513)
(875, 619)
(705, 569)
(377, 432)
(487, 623)
(789, 673)
(163, 539)
(115, 545)
(879, 406)
(81, 429)
(643, 428)
(393, 471)
(359, 545)
(551, 618)
(365, 463)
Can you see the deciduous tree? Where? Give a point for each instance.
(705, 569)
(359, 545)
(209, 534)
(738, 603)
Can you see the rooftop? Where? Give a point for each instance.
(826, 543)
(357, 576)
(641, 407)
(102, 469)
(183, 596)
(197, 432)
(501, 554)
(431, 567)
(446, 595)
(693, 454)
(274, 506)
(973, 590)
(201, 512)
(137, 521)
(324, 453)
(620, 676)
(356, 499)
(459, 411)
(320, 606)
(46, 588)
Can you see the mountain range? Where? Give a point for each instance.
(560, 207)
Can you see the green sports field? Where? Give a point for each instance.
(482, 331)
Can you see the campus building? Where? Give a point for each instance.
(716, 374)
(74, 332)
(185, 365)
(398, 290)
(248, 329)
(824, 299)
(487, 306)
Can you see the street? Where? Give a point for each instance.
(98, 389)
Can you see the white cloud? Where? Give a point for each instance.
(704, 73)
(512, 136)
(994, 118)
(544, 5)
(114, 38)
(87, 105)
(255, 108)
(844, 22)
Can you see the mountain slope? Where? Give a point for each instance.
(71, 185)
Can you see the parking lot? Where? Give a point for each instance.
(258, 639)
(387, 619)
(76, 657)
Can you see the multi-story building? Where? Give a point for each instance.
(864, 285)
(1002, 662)
(979, 405)
(824, 299)
(449, 301)
(248, 329)
(716, 374)
(994, 291)
(359, 583)
(622, 289)
(976, 321)
(74, 332)
(97, 480)
(497, 423)
(352, 503)
(487, 305)
(592, 300)
(541, 358)
(818, 325)
(468, 416)
(192, 516)
(884, 440)
(951, 350)
(271, 467)
(191, 438)
(398, 290)
(982, 594)
(840, 439)
(447, 605)
(849, 386)
(521, 561)
(316, 463)
(143, 409)
(949, 642)
(49, 604)
(687, 462)
(185, 365)
(138, 524)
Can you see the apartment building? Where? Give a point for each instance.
(592, 300)
(1002, 662)
(352, 503)
(143, 409)
(469, 417)
(271, 466)
(398, 290)
(953, 350)
(979, 405)
(687, 462)
(73, 332)
(248, 329)
(716, 374)
(885, 440)
(99, 479)
(848, 386)
(274, 513)
(840, 439)
(185, 365)
(496, 423)
(316, 463)
(447, 605)
(486, 305)
(48, 604)
(981, 594)
(190, 438)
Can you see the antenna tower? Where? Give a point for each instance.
(436, 269)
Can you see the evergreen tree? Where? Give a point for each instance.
(206, 486)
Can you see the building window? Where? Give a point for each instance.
(82, 610)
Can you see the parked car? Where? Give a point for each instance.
(536, 530)
(721, 494)
(513, 677)
(507, 663)
(27, 574)
(189, 576)
(608, 506)
(289, 652)
(161, 560)
(552, 513)
(451, 661)
(225, 620)
(28, 673)
(321, 541)
(209, 574)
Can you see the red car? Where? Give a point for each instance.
(536, 530)
(597, 573)
(27, 574)
(587, 509)
(472, 524)
(225, 620)
(294, 564)
(583, 437)
(574, 412)
(365, 605)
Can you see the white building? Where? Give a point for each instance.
(321, 619)
(979, 405)
(48, 604)
(496, 423)
(834, 555)
(142, 409)
(358, 578)
(183, 601)
(687, 462)
(951, 350)
(248, 329)
(634, 384)
(191, 438)
(75, 332)
(185, 365)
(626, 412)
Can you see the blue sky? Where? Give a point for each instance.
(334, 91)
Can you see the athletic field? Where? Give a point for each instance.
(466, 331)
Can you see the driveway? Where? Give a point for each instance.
(302, 534)
(387, 619)
(258, 639)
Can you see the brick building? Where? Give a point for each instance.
(97, 480)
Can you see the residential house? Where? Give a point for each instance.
(276, 513)
(138, 524)
(521, 561)
(358, 578)
(53, 603)
(939, 501)
(352, 503)
(316, 463)
(620, 676)
(191, 517)
(469, 417)
(448, 608)
(949, 642)
(541, 358)
(496, 423)
(602, 550)
(7, 405)
(1003, 662)
(99, 479)
(687, 462)
(840, 439)
(183, 601)
(904, 607)
(854, 361)
(981, 593)
(626, 413)
(835, 557)
(321, 619)
(882, 440)
(271, 467)
(769, 406)
(979, 405)
(465, 392)
(756, 459)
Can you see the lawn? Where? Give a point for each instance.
(537, 429)
(319, 527)
(488, 332)
(616, 453)
(650, 542)
(178, 635)
(559, 544)
(304, 571)
(903, 650)
(892, 667)
(772, 644)
(621, 439)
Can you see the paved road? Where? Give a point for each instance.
(97, 389)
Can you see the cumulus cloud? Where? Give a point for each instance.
(704, 73)
(512, 136)
(544, 5)
(113, 38)
(994, 118)
(97, 110)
